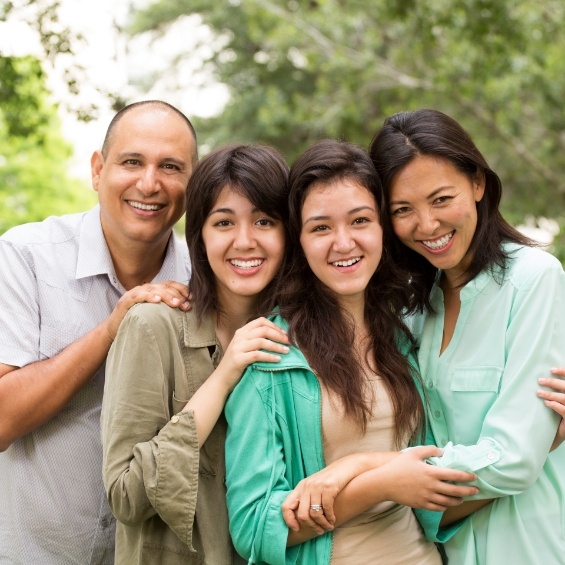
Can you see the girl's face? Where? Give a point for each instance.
(341, 236)
(433, 207)
(244, 246)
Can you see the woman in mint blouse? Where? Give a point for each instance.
(489, 314)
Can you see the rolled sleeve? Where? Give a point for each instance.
(151, 456)
(255, 480)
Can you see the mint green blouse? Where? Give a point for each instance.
(483, 408)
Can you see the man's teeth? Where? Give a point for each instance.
(246, 264)
(149, 207)
(347, 263)
(438, 243)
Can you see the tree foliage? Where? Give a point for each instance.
(34, 181)
(300, 70)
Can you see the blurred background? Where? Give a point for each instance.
(285, 73)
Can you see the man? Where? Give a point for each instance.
(65, 285)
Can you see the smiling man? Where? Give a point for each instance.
(65, 285)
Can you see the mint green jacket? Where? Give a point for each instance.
(274, 440)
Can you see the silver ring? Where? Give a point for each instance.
(316, 507)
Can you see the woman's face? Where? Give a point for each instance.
(433, 207)
(341, 236)
(244, 246)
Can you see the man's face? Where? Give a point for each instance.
(142, 181)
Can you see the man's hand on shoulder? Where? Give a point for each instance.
(172, 293)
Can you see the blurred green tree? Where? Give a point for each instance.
(34, 182)
(301, 70)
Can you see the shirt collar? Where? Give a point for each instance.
(93, 254)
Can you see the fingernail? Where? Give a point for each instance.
(286, 349)
(156, 297)
(175, 300)
(542, 380)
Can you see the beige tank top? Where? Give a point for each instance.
(387, 533)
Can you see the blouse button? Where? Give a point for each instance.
(175, 419)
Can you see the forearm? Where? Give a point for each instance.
(32, 395)
(207, 404)
(360, 494)
(455, 513)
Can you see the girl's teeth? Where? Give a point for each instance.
(347, 263)
(246, 264)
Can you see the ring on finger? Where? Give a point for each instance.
(316, 507)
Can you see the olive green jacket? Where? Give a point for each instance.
(167, 495)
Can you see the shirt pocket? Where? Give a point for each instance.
(473, 392)
(177, 404)
(55, 336)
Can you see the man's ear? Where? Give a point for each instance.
(96, 165)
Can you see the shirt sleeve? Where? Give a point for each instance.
(151, 460)
(19, 305)
(518, 428)
(255, 478)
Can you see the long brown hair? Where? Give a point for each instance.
(321, 328)
(257, 172)
(405, 136)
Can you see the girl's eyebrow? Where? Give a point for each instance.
(229, 211)
(350, 213)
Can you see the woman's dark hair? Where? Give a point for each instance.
(407, 135)
(257, 172)
(320, 327)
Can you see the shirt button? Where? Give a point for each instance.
(437, 413)
(430, 385)
(175, 418)
(491, 456)
(104, 522)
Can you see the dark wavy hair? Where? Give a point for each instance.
(407, 135)
(322, 329)
(257, 172)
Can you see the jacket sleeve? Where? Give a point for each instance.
(255, 475)
(151, 460)
(518, 429)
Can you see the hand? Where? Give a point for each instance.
(322, 488)
(251, 343)
(172, 293)
(409, 480)
(555, 401)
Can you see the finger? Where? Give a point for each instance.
(558, 371)
(551, 395)
(556, 406)
(557, 384)
(425, 451)
(288, 511)
(328, 504)
(304, 516)
(445, 501)
(452, 475)
(258, 329)
(457, 491)
(320, 518)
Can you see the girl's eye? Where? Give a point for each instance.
(265, 222)
(223, 223)
(361, 220)
(320, 228)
